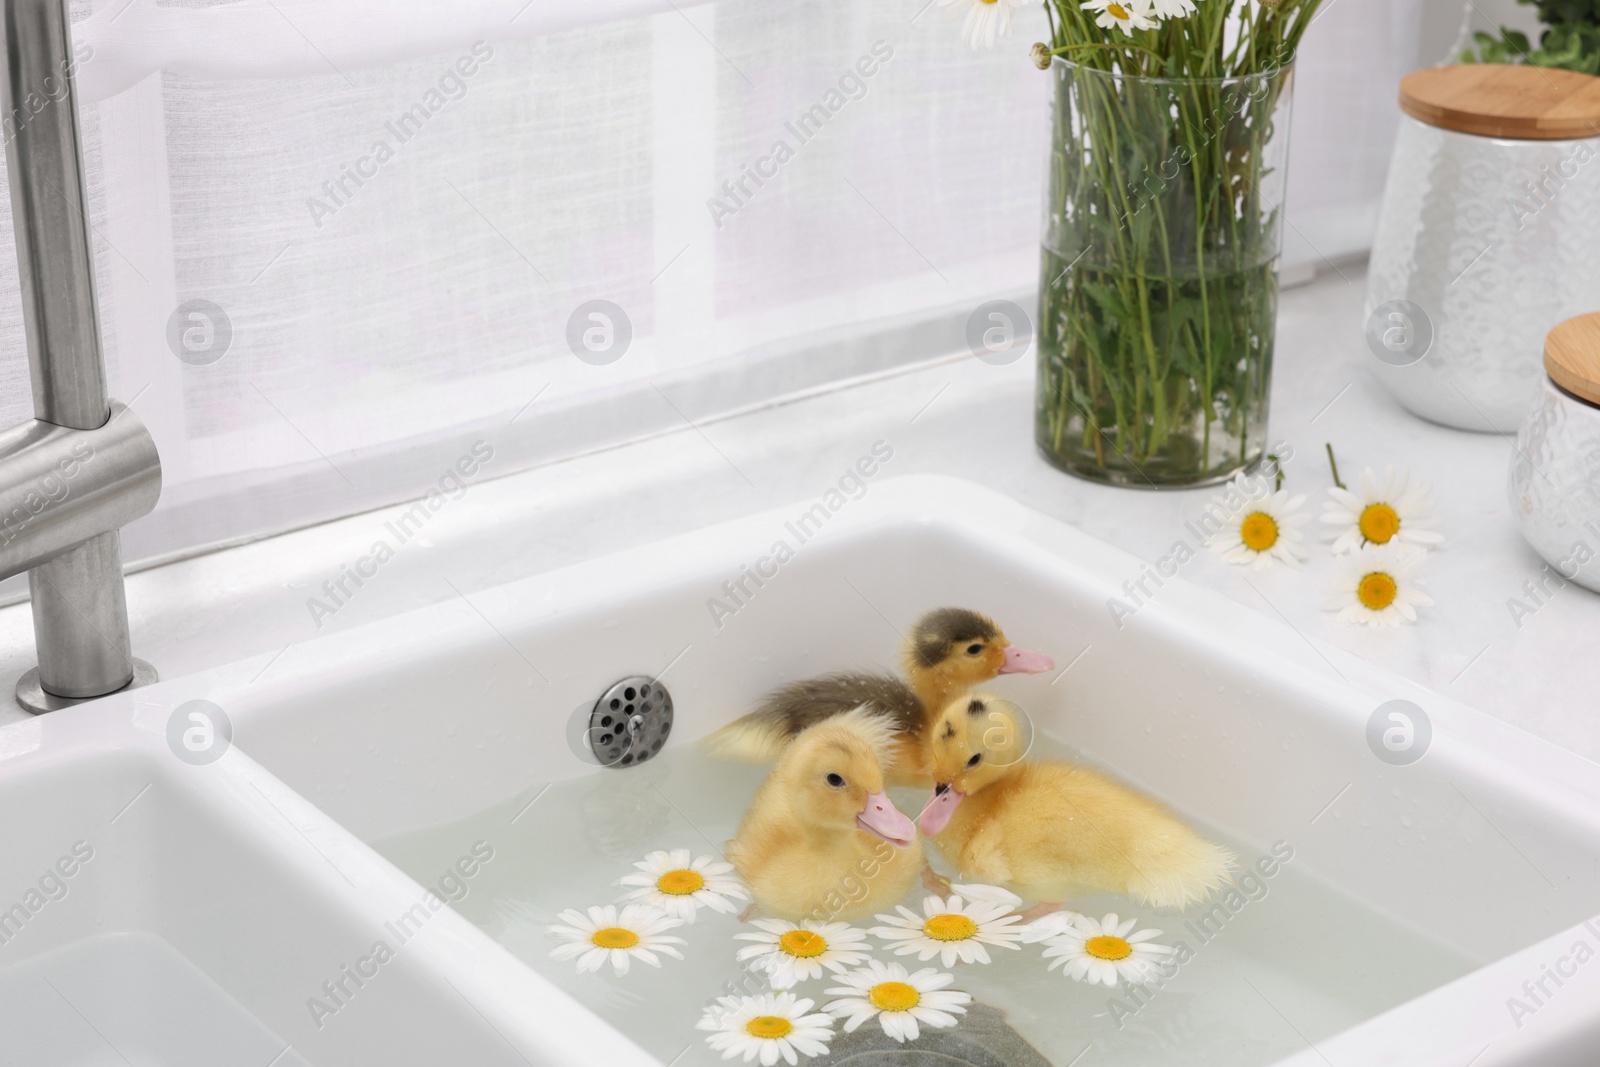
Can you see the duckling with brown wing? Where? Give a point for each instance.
(1048, 829)
(948, 652)
(821, 839)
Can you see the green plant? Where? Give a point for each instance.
(1158, 294)
(1570, 41)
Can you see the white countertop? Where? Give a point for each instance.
(962, 418)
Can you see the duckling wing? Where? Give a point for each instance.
(802, 704)
(761, 735)
(1071, 825)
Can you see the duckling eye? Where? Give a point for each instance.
(975, 760)
(973, 650)
(836, 781)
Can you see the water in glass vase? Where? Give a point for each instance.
(1149, 379)
(1158, 288)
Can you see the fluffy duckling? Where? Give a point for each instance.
(1048, 829)
(947, 653)
(822, 840)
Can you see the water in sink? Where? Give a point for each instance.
(1298, 962)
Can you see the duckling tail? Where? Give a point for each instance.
(756, 738)
(1179, 868)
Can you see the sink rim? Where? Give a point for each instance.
(1471, 739)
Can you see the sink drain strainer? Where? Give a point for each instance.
(630, 722)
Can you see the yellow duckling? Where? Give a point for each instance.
(947, 653)
(821, 839)
(1048, 829)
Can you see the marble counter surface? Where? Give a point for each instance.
(1536, 667)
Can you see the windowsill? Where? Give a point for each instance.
(966, 419)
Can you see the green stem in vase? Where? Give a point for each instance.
(1158, 296)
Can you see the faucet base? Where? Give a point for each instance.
(33, 698)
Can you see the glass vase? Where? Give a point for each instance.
(1158, 291)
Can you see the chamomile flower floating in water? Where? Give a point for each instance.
(902, 1002)
(1126, 15)
(790, 954)
(987, 20)
(1103, 951)
(1262, 532)
(679, 886)
(604, 935)
(766, 1027)
(952, 929)
(1381, 511)
(1376, 586)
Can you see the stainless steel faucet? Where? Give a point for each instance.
(86, 465)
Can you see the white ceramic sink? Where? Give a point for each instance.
(166, 915)
(370, 764)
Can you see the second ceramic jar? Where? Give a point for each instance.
(1487, 238)
(1554, 482)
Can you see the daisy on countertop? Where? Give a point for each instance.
(1381, 511)
(1263, 531)
(1377, 586)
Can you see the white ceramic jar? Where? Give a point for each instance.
(1554, 483)
(1489, 235)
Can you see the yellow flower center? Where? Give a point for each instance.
(1379, 522)
(1118, 12)
(680, 883)
(1377, 590)
(769, 1027)
(949, 927)
(1258, 531)
(1106, 947)
(894, 996)
(615, 937)
(803, 944)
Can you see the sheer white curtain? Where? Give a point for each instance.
(1345, 117)
(397, 206)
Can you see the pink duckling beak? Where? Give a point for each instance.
(1021, 661)
(885, 820)
(942, 805)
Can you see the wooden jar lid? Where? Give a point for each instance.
(1497, 100)
(1572, 356)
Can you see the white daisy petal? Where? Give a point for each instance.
(1104, 951)
(790, 953)
(1049, 926)
(1380, 512)
(1124, 15)
(986, 20)
(1377, 586)
(953, 929)
(1259, 527)
(898, 998)
(678, 884)
(605, 936)
(767, 1027)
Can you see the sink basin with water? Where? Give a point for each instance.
(1409, 910)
